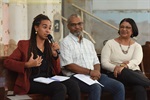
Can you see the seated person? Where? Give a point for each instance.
(37, 57)
(78, 56)
(121, 58)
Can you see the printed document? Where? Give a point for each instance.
(51, 79)
(87, 79)
(19, 97)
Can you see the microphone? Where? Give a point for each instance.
(52, 41)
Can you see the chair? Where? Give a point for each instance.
(146, 59)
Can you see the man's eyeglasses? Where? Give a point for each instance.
(75, 24)
(126, 27)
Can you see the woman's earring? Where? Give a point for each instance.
(35, 32)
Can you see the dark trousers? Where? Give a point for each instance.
(135, 79)
(57, 90)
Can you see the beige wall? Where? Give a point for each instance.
(16, 18)
(115, 9)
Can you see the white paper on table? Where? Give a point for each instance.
(87, 79)
(19, 97)
(51, 79)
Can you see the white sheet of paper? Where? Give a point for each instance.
(60, 78)
(51, 79)
(19, 97)
(87, 79)
(43, 80)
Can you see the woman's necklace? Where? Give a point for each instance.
(125, 51)
(41, 50)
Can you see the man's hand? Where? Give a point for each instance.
(95, 74)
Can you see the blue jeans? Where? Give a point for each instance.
(113, 86)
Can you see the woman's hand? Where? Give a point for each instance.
(55, 47)
(124, 64)
(34, 62)
(117, 70)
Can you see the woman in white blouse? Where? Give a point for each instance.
(121, 58)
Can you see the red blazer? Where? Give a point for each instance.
(16, 62)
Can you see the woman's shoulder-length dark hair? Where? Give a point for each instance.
(133, 25)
